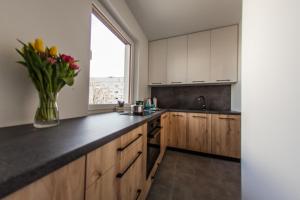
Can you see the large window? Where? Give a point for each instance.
(110, 62)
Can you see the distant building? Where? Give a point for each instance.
(106, 90)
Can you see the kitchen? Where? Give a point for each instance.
(162, 100)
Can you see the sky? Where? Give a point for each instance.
(108, 52)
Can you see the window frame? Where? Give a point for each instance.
(103, 15)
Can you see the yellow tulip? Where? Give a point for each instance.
(53, 51)
(39, 45)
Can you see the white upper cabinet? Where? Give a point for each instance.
(224, 54)
(177, 60)
(198, 70)
(158, 62)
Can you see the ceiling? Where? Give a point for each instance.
(165, 18)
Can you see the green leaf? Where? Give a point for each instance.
(69, 80)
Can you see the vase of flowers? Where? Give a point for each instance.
(49, 72)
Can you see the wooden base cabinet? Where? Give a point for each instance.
(164, 132)
(199, 132)
(226, 135)
(66, 183)
(177, 135)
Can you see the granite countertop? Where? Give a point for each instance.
(27, 153)
(225, 112)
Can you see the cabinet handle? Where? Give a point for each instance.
(127, 145)
(177, 115)
(152, 177)
(138, 194)
(196, 116)
(176, 82)
(223, 80)
(121, 174)
(198, 81)
(230, 118)
(156, 83)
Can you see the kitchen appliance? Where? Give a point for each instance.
(201, 102)
(153, 143)
(137, 109)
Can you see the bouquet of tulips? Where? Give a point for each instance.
(49, 72)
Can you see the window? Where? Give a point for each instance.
(109, 64)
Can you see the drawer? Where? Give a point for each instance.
(101, 160)
(128, 154)
(131, 183)
(129, 138)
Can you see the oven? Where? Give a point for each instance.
(153, 143)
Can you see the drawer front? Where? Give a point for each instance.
(129, 154)
(129, 138)
(105, 187)
(131, 184)
(101, 160)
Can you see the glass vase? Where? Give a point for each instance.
(47, 114)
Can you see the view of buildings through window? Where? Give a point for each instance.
(108, 81)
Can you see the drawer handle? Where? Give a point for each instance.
(152, 177)
(156, 83)
(230, 118)
(196, 116)
(176, 82)
(177, 115)
(198, 81)
(121, 174)
(223, 80)
(127, 145)
(138, 194)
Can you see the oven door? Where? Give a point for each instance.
(153, 148)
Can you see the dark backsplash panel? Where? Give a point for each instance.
(218, 97)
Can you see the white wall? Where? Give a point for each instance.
(236, 88)
(123, 15)
(65, 23)
(270, 100)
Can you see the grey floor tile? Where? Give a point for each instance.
(185, 176)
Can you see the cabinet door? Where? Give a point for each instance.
(199, 132)
(226, 135)
(105, 187)
(177, 60)
(158, 62)
(66, 183)
(198, 70)
(177, 134)
(224, 54)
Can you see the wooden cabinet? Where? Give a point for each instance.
(177, 135)
(226, 135)
(158, 62)
(198, 68)
(66, 183)
(116, 170)
(177, 60)
(164, 132)
(224, 54)
(199, 132)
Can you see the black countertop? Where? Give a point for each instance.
(27, 153)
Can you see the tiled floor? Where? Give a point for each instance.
(185, 176)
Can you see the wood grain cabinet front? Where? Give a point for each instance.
(226, 135)
(66, 183)
(177, 133)
(199, 132)
(164, 132)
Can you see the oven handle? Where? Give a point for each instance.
(153, 133)
(121, 174)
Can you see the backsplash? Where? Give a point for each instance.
(218, 97)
